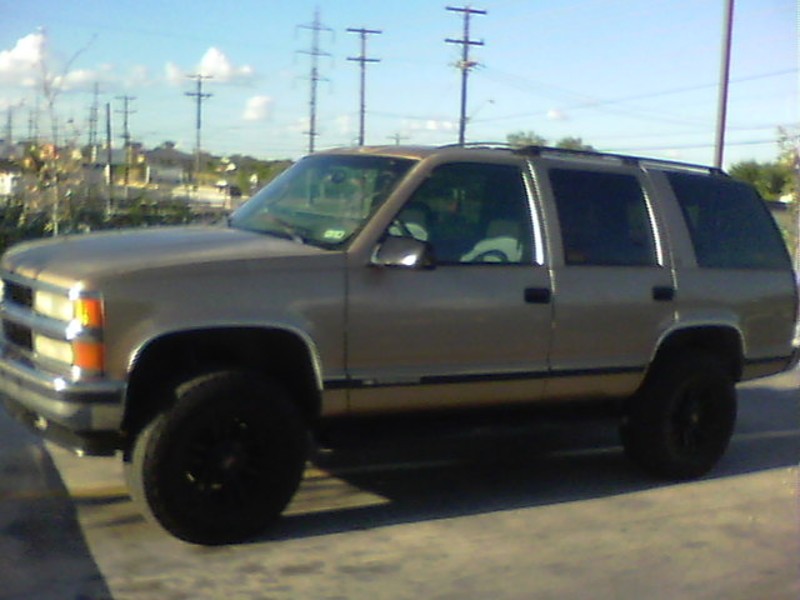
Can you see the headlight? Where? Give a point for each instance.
(82, 346)
(55, 306)
(88, 312)
(53, 349)
(86, 355)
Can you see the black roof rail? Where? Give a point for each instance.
(534, 150)
(500, 145)
(625, 158)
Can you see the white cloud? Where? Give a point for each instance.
(555, 114)
(138, 76)
(215, 64)
(22, 64)
(78, 80)
(258, 108)
(431, 125)
(344, 124)
(28, 63)
(174, 74)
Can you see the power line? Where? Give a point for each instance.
(465, 64)
(363, 60)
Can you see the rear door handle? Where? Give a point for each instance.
(535, 295)
(663, 293)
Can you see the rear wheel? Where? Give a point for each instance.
(223, 462)
(680, 423)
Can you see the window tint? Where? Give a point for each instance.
(604, 218)
(470, 213)
(729, 224)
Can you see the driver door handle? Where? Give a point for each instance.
(534, 295)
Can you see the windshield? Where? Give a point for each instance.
(322, 200)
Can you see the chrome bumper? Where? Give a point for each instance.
(85, 416)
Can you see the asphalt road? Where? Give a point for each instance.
(548, 511)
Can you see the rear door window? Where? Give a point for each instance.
(730, 226)
(604, 217)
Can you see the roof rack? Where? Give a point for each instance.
(627, 159)
(500, 145)
(624, 158)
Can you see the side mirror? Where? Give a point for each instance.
(404, 252)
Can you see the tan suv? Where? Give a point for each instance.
(398, 280)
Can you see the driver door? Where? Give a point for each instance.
(475, 328)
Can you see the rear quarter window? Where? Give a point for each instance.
(729, 224)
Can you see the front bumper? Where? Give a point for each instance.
(794, 361)
(83, 416)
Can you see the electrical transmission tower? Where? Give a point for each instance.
(126, 134)
(93, 119)
(465, 64)
(10, 123)
(199, 97)
(316, 26)
(363, 60)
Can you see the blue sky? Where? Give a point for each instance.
(637, 77)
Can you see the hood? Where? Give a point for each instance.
(63, 261)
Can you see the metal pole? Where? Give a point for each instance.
(465, 64)
(363, 60)
(109, 163)
(462, 121)
(725, 67)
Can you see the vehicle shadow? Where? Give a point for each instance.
(44, 554)
(544, 460)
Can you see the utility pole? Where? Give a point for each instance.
(724, 76)
(316, 26)
(10, 127)
(397, 137)
(109, 163)
(465, 64)
(199, 96)
(93, 118)
(126, 135)
(33, 122)
(363, 60)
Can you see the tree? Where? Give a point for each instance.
(520, 139)
(773, 180)
(573, 143)
(777, 180)
(789, 143)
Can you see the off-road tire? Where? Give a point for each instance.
(679, 424)
(221, 464)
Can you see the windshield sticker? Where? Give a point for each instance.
(334, 234)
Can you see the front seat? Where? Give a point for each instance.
(501, 245)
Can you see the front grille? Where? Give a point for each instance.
(21, 295)
(18, 335)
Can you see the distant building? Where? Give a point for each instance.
(10, 179)
(165, 175)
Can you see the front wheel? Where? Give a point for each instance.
(680, 423)
(223, 462)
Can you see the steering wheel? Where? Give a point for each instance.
(401, 225)
(491, 256)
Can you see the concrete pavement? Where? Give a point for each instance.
(556, 513)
